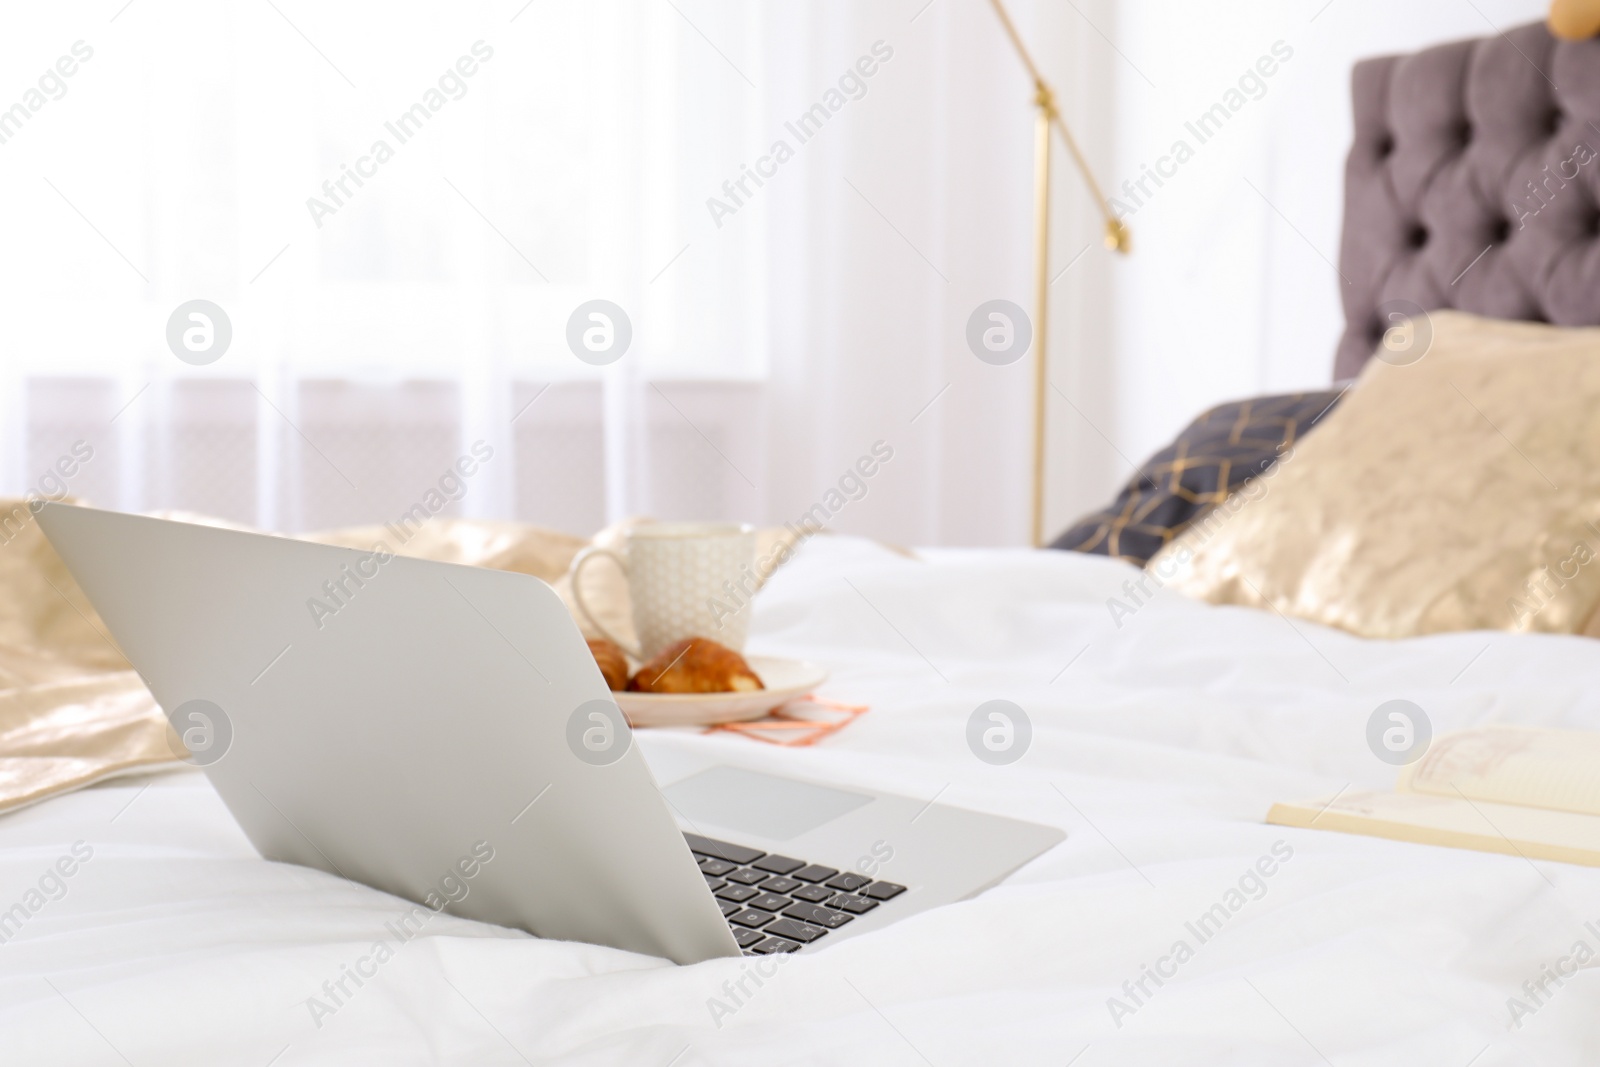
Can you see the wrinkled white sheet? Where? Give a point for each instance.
(1159, 750)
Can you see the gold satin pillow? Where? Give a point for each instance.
(1461, 492)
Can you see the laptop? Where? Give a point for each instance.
(441, 732)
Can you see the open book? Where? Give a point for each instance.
(1521, 790)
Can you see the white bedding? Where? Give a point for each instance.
(1158, 750)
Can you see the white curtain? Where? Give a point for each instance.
(793, 310)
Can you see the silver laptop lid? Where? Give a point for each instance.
(436, 731)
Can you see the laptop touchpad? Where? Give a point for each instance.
(761, 804)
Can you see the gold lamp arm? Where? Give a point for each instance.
(1118, 238)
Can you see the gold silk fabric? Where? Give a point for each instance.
(1459, 492)
(73, 711)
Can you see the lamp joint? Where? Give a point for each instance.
(1044, 98)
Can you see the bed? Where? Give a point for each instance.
(1159, 741)
(1157, 747)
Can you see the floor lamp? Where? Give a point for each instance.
(1117, 239)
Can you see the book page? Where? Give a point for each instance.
(1528, 765)
(1510, 829)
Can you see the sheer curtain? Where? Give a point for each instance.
(399, 207)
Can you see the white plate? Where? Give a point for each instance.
(784, 679)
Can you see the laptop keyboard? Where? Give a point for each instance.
(777, 903)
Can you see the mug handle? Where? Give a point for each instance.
(574, 572)
(761, 579)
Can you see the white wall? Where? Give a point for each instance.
(1230, 292)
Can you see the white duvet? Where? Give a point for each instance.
(1171, 927)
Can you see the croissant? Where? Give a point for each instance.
(613, 664)
(696, 665)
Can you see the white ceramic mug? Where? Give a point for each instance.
(685, 579)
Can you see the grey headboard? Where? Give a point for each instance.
(1474, 183)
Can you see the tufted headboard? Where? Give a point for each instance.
(1473, 183)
